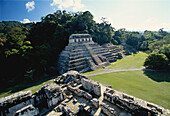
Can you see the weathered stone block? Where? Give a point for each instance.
(91, 85)
(95, 102)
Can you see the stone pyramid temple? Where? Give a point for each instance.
(82, 54)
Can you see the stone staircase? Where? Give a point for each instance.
(94, 56)
(73, 57)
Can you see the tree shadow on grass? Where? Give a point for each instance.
(25, 85)
(159, 76)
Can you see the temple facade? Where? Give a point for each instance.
(77, 38)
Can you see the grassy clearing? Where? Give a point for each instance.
(140, 84)
(130, 62)
(35, 86)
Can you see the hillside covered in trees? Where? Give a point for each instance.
(28, 51)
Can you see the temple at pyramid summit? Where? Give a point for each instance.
(83, 54)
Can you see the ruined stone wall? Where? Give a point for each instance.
(107, 110)
(54, 100)
(19, 106)
(51, 92)
(17, 103)
(10, 104)
(130, 104)
(91, 85)
(80, 93)
(95, 102)
(29, 110)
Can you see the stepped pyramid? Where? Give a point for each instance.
(82, 54)
(112, 48)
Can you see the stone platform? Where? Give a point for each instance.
(82, 54)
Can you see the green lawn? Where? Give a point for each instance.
(141, 84)
(130, 62)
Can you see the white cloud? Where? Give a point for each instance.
(77, 5)
(62, 4)
(30, 6)
(55, 2)
(25, 21)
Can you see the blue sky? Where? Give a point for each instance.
(138, 15)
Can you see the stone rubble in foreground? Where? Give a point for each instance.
(75, 94)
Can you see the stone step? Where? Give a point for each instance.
(100, 49)
(77, 57)
(101, 52)
(77, 50)
(78, 63)
(97, 47)
(76, 54)
(80, 67)
(106, 54)
(78, 60)
(94, 56)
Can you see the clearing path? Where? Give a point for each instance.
(116, 70)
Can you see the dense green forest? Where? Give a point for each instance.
(28, 51)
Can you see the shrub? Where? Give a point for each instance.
(156, 61)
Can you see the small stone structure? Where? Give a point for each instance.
(75, 94)
(82, 54)
(29, 110)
